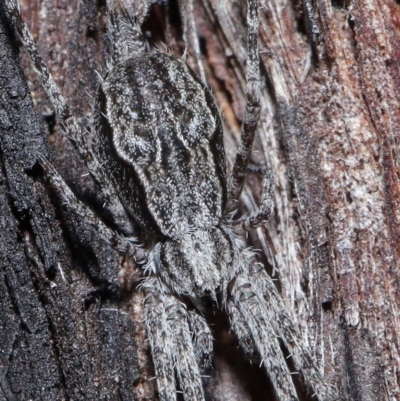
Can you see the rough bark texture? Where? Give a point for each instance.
(330, 120)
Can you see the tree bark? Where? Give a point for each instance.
(330, 119)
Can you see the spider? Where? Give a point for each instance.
(158, 159)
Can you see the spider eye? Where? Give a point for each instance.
(151, 299)
(255, 268)
(175, 315)
(246, 294)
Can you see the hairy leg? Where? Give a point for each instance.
(183, 352)
(242, 331)
(160, 341)
(171, 343)
(255, 314)
(284, 327)
(262, 215)
(124, 246)
(252, 114)
(259, 310)
(202, 339)
(72, 129)
(190, 35)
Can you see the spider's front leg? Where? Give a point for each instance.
(290, 336)
(257, 311)
(171, 343)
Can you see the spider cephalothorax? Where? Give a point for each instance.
(158, 159)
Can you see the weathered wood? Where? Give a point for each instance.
(329, 123)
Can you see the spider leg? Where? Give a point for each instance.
(291, 338)
(122, 245)
(252, 114)
(202, 340)
(256, 314)
(242, 331)
(73, 130)
(171, 344)
(190, 35)
(160, 341)
(264, 212)
(186, 366)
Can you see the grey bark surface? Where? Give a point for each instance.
(330, 120)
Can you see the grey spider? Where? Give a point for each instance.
(158, 159)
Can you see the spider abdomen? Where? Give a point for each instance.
(160, 137)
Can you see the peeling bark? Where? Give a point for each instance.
(330, 118)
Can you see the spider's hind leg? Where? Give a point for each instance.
(264, 212)
(72, 128)
(252, 114)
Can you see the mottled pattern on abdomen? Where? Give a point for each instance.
(165, 135)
